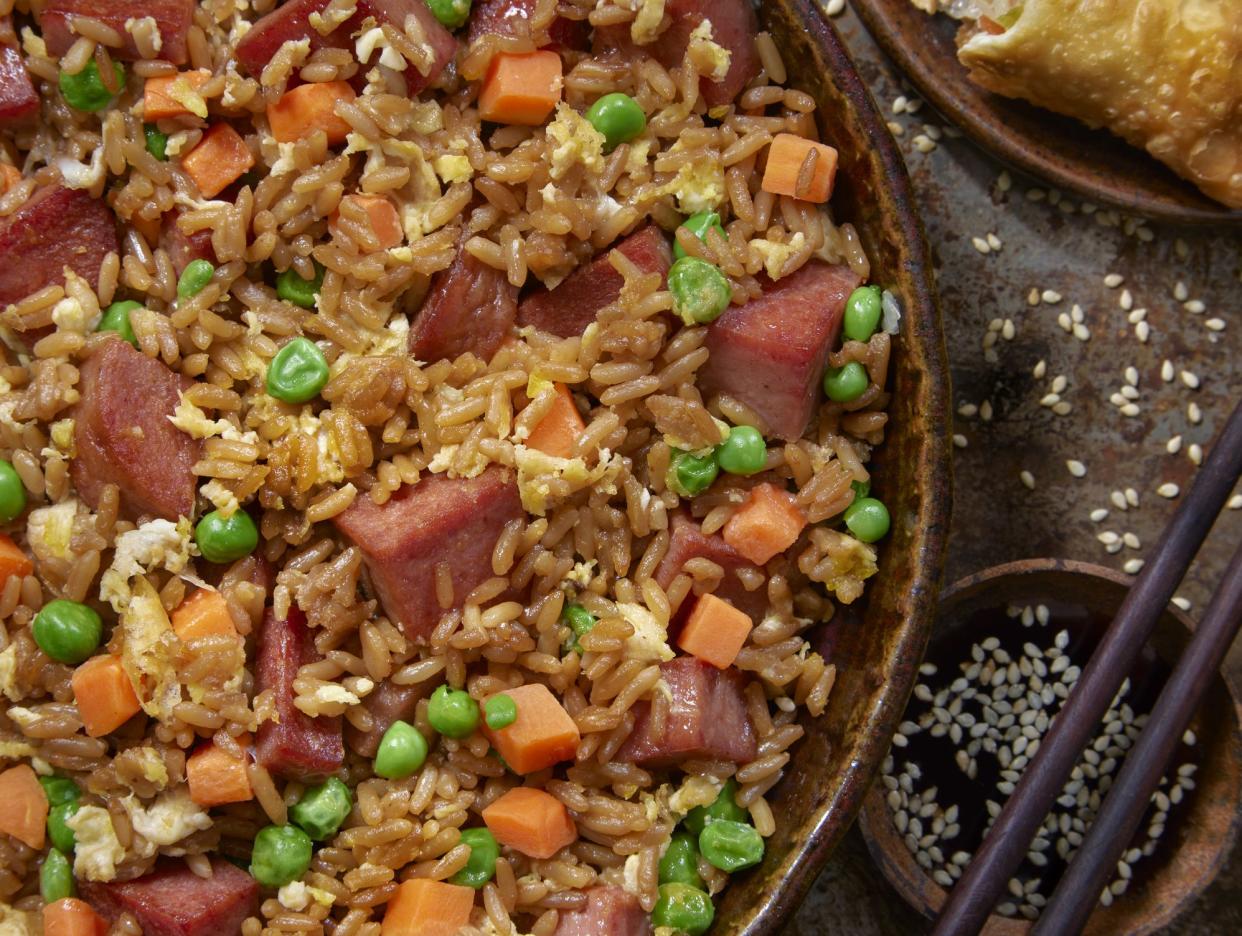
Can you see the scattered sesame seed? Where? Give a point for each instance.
(1050, 399)
(1190, 379)
(1132, 497)
(1129, 393)
(1142, 331)
(1076, 468)
(1235, 502)
(1132, 566)
(1119, 500)
(1132, 375)
(1108, 537)
(924, 143)
(968, 410)
(1138, 315)
(1081, 332)
(1032, 298)
(1126, 301)
(959, 440)
(1099, 515)
(980, 245)
(1077, 314)
(899, 105)
(1130, 540)
(985, 410)
(1050, 296)
(1194, 414)
(1040, 369)
(1065, 322)
(1169, 490)
(1063, 408)
(1130, 409)
(1027, 479)
(895, 128)
(1113, 280)
(1174, 445)
(1166, 371)
(1180, 292)
(1195, 453)
(1008, 331)
(1215, 324)
(994, 242)
(1194, 307)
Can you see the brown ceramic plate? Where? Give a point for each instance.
(877, 646)
(1091, 163)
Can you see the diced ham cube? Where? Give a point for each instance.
(707, 719)
(387, 703)
(185, 248)
(573, 305)
(509, 17)
(291, 22)
(734, 27)
(172, 17)
(770, 353)
(469, 307)
(19, 103)
(122, 434)
(56, 228)
(439, 519)
(297, 746)
(174, 901)
(609, 911)
(688, 541)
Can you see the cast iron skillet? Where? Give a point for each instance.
(1091, 163)
(878, 644)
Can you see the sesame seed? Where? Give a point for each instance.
(1119, 500)
(1180, 293)
(1032, 298)
(1168, 489)
(913, 105)
(1133, 566)
(959, 440)
(1097, 516)
(1174, 445)
(1077, 314)
(1181, 602)
(1113, 280)
(925, 144)
(1126, 301)
(1129, 393)
(1215, 324)
(1063, 408)
(899, 105)
(1108, 537)
(1142, 331)
(1190, 379)
(980, 245)
(1065, 322)
(1195, 453)
(1008, 331)
(1081, 332)
(1131, 540)
(1130, 409)
(1194, 307)
(1076, 468)
(1166, 371)
(895, 128)
(1235, 502)
(1050, 399)
(985, 410)
(1059, 383)
(1027, 479)
(1050, 296)
(968, 410)
(1132, 375)
(1138, 315)
(1040, 369)
(1132, 497)
(1194, 414)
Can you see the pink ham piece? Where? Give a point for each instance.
(707, 719)
(19, 103)
(297, 746)
(184, 248)
(469, 307)
(439, 519)
(291, 22)
(688, 541)
(56, 228)
(733, 26)
(173, 17)
(770, 353)
(387, 703)
(609, 911)
(122, 434)
(174, 901)
(508, 18)
(573, 305)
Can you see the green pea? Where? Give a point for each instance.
(618, 117)
(482, 862)
(744, 452)
(323, 808)
(731, 846)
(860, 488)
(451, 13)
(700, 291)
(690, 475)
(282, 853)
(85, 91)
(453, 713)
(867, 518)
(500, 711)
(683, 908)
(67, 631)
(58, 832)
(298, 372)
(196, 275)
(680, 863)
(116, 319)
(56, 877)
(580, 621)
(724, 807)
(12, 493)
(291, 287)
(698, 225)
(402, 751)
(157, 142)
(59, 790)
(846, 384)
(226, 539)
(862, 313)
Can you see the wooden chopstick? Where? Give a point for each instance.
(969, 903)
(1079, 889)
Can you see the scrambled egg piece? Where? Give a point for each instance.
(694, 791)
(220, 496)
(132, 24)
(149, 652)
(297, 896)
(15, 922)
(775, 254)
(453, 168)
(373, 39)
(535, 470)
(8, 674)
(98, 851)
(391, 340)
(698, 186)
(23, 718)
(581, 574)
(151, 765)
(49, 530)
(185, 94)
(711, 58)
(646, 25)
(154, 543)
(329, 697)
(574, 140)
(169, 819)
(61, 435)
(852, 562)
(194, 422)
(649, 642)
(15, 750)
(69, 315)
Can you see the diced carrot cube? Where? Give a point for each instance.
(531, 821)
(12, 560)
(72, 917)
(204, 614)
(167, 95)
(217, 777)
(715, 631)
(543, 733)
(521, 88)
(308, 108)
(23, 806)
(105, 696)
(220, 159)
(767, 523)
(382, 217)
(787, 155)
(560, 427)
(9, 177)
(423, 907)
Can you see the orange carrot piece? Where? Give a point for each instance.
(767, 523)
(384, 220)
(105, 696)
(149, 228)
(521, 88)
(23, 806)
(217, 777)
(423, 907)
(308, 108)
(543, 734)
(560, 427)
(786, 155)
(531, 821)
(204, 614)
(161, 99)
(715, 631)
(12, 560)
(9, 177)
(219, 160)
(72, 917)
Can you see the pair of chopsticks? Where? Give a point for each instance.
(971, 901)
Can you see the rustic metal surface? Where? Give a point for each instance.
(996, 517)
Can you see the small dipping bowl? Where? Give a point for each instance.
(1081, 599)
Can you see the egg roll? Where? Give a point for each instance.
(1165, 75)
